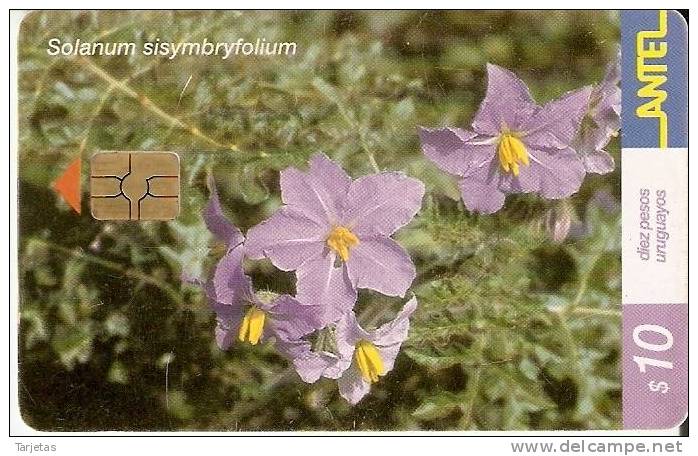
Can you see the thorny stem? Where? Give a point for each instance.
(473, 387)
(372, 160)
(583, 285)
(590, 311)
(148, 104)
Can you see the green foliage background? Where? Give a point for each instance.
(513, 331)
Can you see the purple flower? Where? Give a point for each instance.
(601, 123)
(311, 362)
(335, 233)
(240, 312)
(515, 146)
(372, 353)
(358, 358)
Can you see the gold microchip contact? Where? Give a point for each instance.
(134, 186)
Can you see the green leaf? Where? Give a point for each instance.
(438, 406)
(434, 361)
(73, 344)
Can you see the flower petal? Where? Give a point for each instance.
(380, 264)
(319, 282)
(389, 337)
(556, 124)
(598, 162)
(320, 193)
(382, 203)
(311, 368)
(598, 128)
(227, 329)
(348, 333)
(287, 238)
(228, 316)
(224, 337)
(608, 109)
(480, 191)
(228, 292)
(291, 319)
(310, 365)
(607, 124)
(389, 355)
(551, 173)
(455, 150)
(231, 287)
(395, 331)
(507, 103)
(596, 131)
(217, 223)
(352, 387)
(481, 197)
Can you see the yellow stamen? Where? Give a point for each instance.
(511, 152)
(340, 240)
(369, 361)
(252, 326)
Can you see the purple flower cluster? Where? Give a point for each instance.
(335, 233)
(516, 146)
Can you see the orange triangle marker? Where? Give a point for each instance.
(68, 185)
